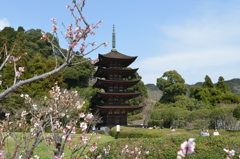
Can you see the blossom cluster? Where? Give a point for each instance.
(231, 153)
(187, 148)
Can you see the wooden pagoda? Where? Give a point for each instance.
(111, 77)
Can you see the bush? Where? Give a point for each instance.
(167, 147)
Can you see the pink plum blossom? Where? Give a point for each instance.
(89, 116)
(55, 28)
(18, 74)
(81, 115)
(1, 154)
(65, 131)
(69, 138)
(74, 44)
(36, 125)
(188, 146)
(12, 58)
(68, 6)
(54, 20)
(96, 26)
(98, 137)
(73, 130)
(69, 126)
(0, 82)
(21, 69)
(82, 47)
(78, 29)
(93, 148)
(105, 44)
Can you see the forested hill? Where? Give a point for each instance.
(233, 84)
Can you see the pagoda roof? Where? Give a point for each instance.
(104, 72)
(104, 59)
(119, 107)
(106, 83)
(106, 95)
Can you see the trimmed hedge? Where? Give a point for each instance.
(207, 147)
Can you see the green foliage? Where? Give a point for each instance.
(167, 143)
(36, 45)
(139, 87)
(214, 96)
(236, 112)
(13, 103)
(172, 84)
(138, 116)
(222, 86)
(8, 35)
(208, 82)
(152, 87)
(78, 75)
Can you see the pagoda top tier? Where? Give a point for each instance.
(114, 58)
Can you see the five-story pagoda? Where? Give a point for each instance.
(111, 77)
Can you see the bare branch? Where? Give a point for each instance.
(30, 80)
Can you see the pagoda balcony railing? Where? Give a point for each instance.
(116, 103)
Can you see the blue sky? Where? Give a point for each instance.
(194, 37)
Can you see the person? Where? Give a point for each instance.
(207, 133)
(203, 133)
(172, 129)
(216, 132)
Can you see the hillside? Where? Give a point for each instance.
(233, 84)
(155, 93)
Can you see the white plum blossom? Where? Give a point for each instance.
(34, 106)
(83, 125)
(230, 153)
(23, 113)
(7, 115)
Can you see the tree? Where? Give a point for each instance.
(208, 82)
(74, 36)
(213, 96)
(172, 84)
(139, 87)
(221, 85)
(78, 75)
(236, 112)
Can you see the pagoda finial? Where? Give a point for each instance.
(113, 40)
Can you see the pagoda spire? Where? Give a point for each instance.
(114, 39)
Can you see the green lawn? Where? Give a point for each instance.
(43, 150)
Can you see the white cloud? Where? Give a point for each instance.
(4, 23)
(196, 48)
